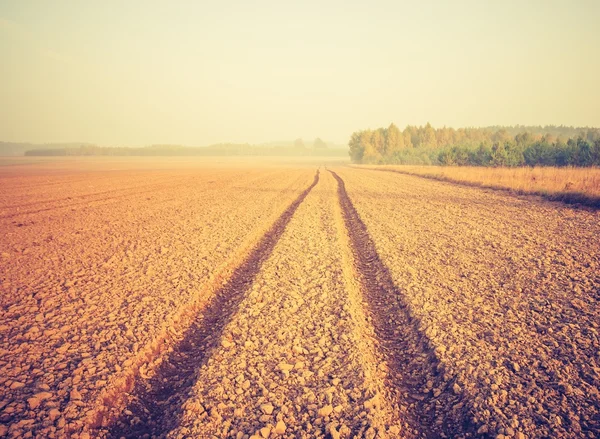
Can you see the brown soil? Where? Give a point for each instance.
(247, 303)
(506, 290)
(90, 291)
(417, 383)
(154, 404)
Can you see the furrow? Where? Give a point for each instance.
(154, 405)
(506, 291)
(297, 360)
(429, 403)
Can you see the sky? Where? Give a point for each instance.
(140, 72)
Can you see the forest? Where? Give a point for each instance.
(490, 146)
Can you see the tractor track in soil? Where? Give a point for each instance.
(154, 404)
(417, 385)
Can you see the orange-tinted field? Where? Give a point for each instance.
(572, 185)
(175, 298)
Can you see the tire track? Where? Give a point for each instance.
(429, 401)
(155, 403)
(300, 362)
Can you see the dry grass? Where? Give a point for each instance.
(570, 185)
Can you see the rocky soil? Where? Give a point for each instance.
(296, 360)
(506, 292)
(95, 268)
(248, 303)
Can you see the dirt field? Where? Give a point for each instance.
(223, 299)
(570, 185)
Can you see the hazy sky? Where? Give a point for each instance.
(201, 72)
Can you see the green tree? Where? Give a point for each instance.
(596, 153)
(493, 146)
(584, 153)
(482, 156)
(499, 155)
(445, 157)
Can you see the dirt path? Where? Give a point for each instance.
(430, 406)
(297, 360)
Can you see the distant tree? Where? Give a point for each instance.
(408, 139)
(584, 153)
(394, 140)
(539, 154)
(514, 154)
(501, 136)
(596, 153)
(446, 158)
(493, 146)
(482, 156)
(378, 140)
(524, 139)
(549, 138)
(445, 137)
(461, 155)
(592, 135)
(499, 154)
(368, 140)
(357, 150)
(319, 144)
(411, 133)
(428, 136)
(299, 143)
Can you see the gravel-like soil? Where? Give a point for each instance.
(297, 360)
(154, 405)
(96, 269)
(273, 302)
(416, 381)
(506, 291)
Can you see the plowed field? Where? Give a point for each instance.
(296, 301)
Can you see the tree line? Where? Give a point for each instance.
(319, 148)
(491, 146)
